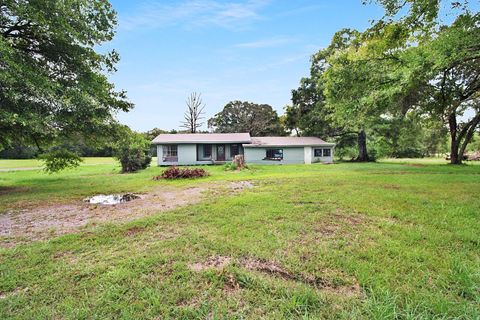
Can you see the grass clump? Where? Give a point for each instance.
(232, 166)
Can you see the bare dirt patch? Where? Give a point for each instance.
(213, 262)
(47, 221)
(241, 185)
(349, 287)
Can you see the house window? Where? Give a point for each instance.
(317, 152)
(234, 150)
(170, 153)
(327, 152)
(207, 150)
(274, 154)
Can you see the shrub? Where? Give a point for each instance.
(182, 173)
(133, 151)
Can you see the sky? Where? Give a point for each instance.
(256, 50)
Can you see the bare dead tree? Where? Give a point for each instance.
(194, 113)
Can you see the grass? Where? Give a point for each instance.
(407, 235)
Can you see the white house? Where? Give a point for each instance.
(218, 148)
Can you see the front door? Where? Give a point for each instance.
(220, 152)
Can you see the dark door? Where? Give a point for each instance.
(220, 152)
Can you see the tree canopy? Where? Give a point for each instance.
(242, 116)
(53, 82)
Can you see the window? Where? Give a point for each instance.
(170, 153)
(207, 150)
(317, 152)
(234, 150)
(327, 152)
(274, 154)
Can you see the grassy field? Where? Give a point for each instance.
(8, 164)
(379, 240)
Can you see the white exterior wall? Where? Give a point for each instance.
(291, 155)
(187, 154)
(322, 159)
(307, 154)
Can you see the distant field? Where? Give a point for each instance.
(398, 239)
(9, 164)
(34, 163)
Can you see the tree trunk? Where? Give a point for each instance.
(460, 140)
(455, 158)
(452, 124)
(362, 147)
(470, 130)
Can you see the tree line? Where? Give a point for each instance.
(409, 85)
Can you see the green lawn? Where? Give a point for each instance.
(374, 241)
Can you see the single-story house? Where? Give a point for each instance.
(218, 148)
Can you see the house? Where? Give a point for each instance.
(218, 148)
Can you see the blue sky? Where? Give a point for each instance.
(227, 50)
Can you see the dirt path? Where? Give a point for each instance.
(45, 222)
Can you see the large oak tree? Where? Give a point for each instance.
(53, 81)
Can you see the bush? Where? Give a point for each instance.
(182, 173)
(133, 151)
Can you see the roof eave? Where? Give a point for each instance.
(199, 142)
(289, 145)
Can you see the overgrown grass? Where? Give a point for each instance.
(407, 235)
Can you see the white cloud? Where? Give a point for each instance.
(195, 13)
(266, 43)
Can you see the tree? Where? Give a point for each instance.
(451, 65)
(53, 82)
(194, 113)
(438, 65)
(408, 136)
(242, 116)
(152, 134)
(312, 114)
(131, 149)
